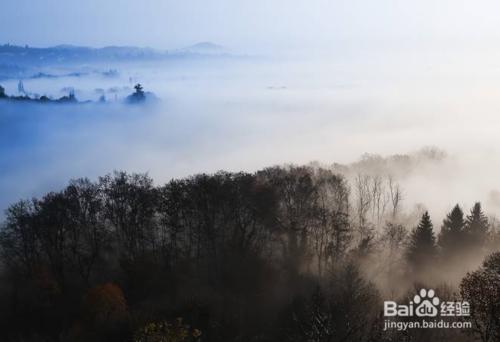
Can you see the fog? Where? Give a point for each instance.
(400, 98)
(249, 113)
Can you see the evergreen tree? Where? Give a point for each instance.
(138, 96)
(477, 226)
(139, 90)
(422, 245)
(451, 237)
(2, 92)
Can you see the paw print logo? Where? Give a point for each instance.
(427, 303)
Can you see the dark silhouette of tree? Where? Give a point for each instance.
(227, 251)
(19, 238)
(422, 245)
(394, 237)
(138, 96)
(331, 231)
(341, 310)
(70, 98)
(297, 196)
(53, 227)
(476, 227)
(138, 89)
(481, 289)
(129, 206)
(88, 236)
(363, 204)
(451, 237)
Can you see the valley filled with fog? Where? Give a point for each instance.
(246, 113)
(249, 171)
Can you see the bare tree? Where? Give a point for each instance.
(295, 215)
(396, 196)
(363, 205)
(331, 233)
(379, 197)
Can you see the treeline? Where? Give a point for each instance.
(284, 254)
(137, 97)
(70, 98)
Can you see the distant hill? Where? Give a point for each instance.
(205, 48)
(19, 56)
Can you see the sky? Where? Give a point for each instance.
(248, 25)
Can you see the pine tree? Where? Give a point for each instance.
(138, 96)
(422, 245)
(477, 226)
(451, 237)
(139, 90)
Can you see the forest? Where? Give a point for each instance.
(138, 96)
(288, 253)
